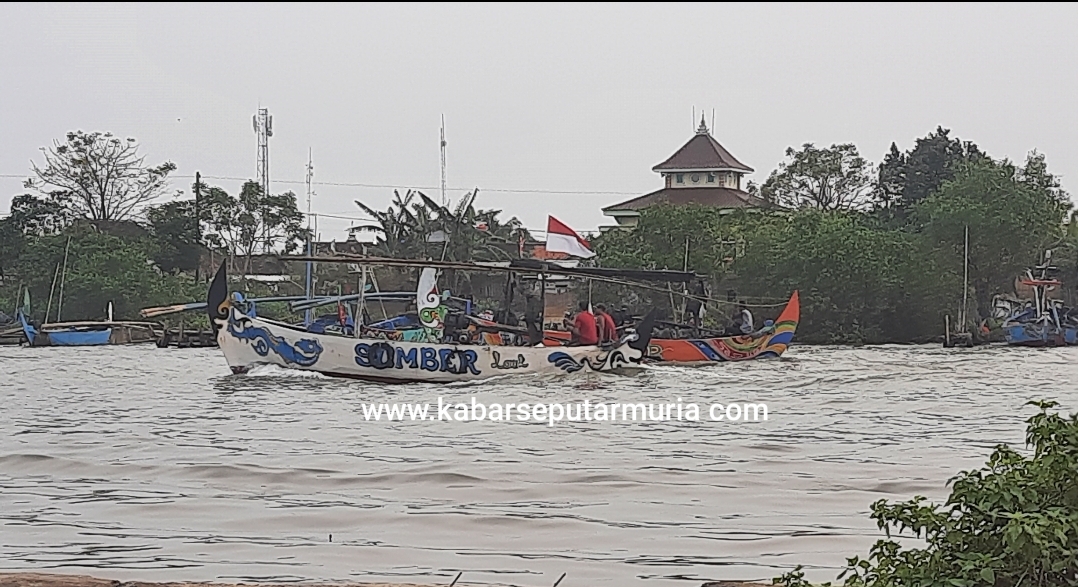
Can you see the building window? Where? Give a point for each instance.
(711, 178)
(680, 177)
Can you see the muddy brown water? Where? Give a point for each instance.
(158, 465)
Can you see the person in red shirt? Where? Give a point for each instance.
(608, 332)
(584, 328)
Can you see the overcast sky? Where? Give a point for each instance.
(561, 100)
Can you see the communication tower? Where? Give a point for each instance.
(263, 125)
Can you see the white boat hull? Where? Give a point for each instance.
(250, 341)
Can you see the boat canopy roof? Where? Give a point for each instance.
(532, 266)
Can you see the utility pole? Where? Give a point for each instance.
(198, 224)
(310, 237)
(445, 202)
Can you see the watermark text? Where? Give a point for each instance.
(553, 413)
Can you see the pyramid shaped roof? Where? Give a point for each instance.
(702, 153)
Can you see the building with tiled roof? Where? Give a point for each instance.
(701, 172)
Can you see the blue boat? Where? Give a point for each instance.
(1038, 334)
(88, 333)
(1042, 322)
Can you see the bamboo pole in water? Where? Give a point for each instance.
(965, 282)
(63, 277)
(52, 289)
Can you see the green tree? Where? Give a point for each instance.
(1013, 214)
(402, 230)
(907, 178)
(30, 217)
(33, 216)
(697, 238)
(858, 283)
(835, 178)
(175, 235)
(414, 226)
(252, 222)
(472, 234)
(102, 177)
(101, 268)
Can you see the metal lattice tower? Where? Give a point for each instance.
(263, 124)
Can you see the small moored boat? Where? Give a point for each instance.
(1041, 323)
(88, 333)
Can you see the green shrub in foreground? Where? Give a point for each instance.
(1012, 523)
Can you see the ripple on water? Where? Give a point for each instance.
(136, 461)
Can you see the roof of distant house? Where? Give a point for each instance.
(702, 152)
(538, 251)
(715, 197)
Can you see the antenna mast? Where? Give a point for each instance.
(445, 202)
(310, 178)
(310, 237)
(263, 125)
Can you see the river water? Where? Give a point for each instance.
(138, 462)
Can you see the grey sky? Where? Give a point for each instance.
(546, 97)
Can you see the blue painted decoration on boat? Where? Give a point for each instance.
(304, 352)
(564, 362)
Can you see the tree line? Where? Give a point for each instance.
(95, 202)
(88, 219)
(877, 252)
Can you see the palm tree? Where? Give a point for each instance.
(422, 228)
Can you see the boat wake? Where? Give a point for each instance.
(277, 371)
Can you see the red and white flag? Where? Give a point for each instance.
(562, 239)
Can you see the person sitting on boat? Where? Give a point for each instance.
(747, 326)
(694, 306)
(741, 322)
(608, 331)
(583, 327)
(623, 316)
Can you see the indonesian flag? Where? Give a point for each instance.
(562, 239)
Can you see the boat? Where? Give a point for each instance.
(89, 333)
(768, 342)
(1041, 322)
(85, 333)
(247, 341)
